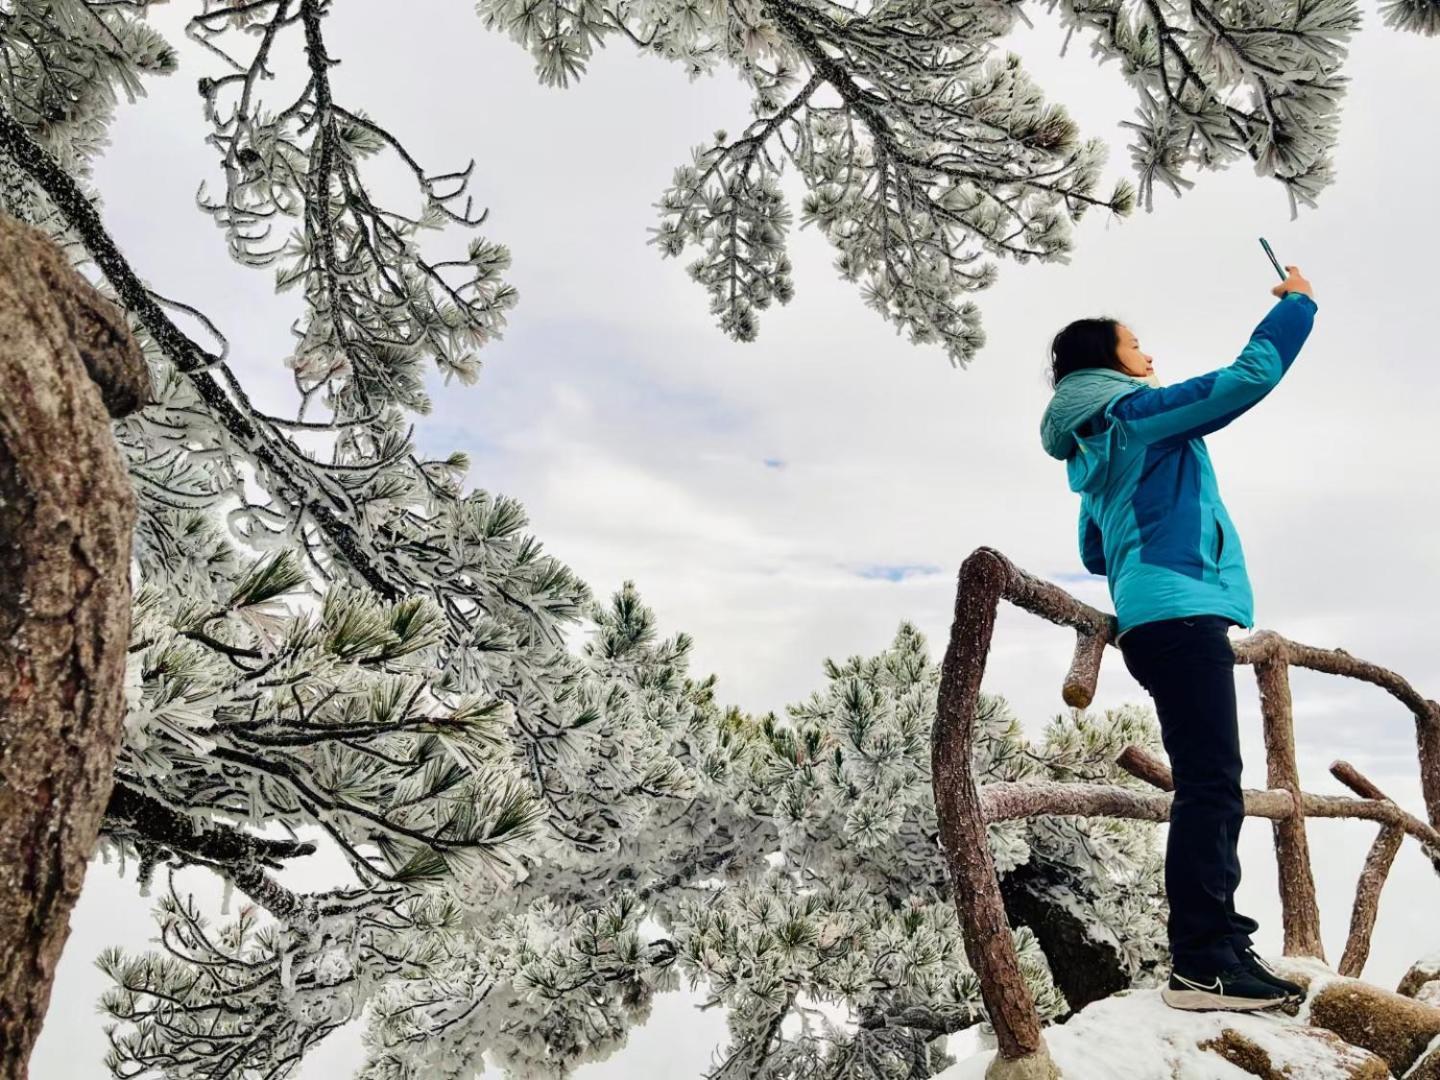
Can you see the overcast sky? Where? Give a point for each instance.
(797, 498)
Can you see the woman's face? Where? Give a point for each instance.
(1127, 351)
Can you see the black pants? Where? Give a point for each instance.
(1188, 668)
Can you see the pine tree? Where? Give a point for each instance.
(336, 635)
(926, 152)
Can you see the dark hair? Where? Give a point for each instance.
(1085, 343)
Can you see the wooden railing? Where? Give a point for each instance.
(964, 809)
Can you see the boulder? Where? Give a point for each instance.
(1394, 1027)
(1420, 981)
(1252, 1057)
(1133, 1035)
(1345, 1029)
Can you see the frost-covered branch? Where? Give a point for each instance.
(139, 819)
(376, 306)
(924, 149)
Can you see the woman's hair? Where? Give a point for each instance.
(1085, 343)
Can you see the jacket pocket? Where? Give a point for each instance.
(1215, 556)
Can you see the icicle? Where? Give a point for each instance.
(226, 896)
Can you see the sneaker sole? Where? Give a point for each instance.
(1197, 1000)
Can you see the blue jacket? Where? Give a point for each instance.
(1151, 517)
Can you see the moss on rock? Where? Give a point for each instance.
(1391, 1025)
(1246, 1054)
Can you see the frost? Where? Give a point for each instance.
(287, 974)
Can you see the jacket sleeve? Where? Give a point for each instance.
(1206, 403)
(1092, 550)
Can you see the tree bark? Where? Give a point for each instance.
(1372, 877)
(1373, 805)
(1300, 913)
(1094, 630)
(1367, 900)
(67, 363)
(1078, 690)
(1269, 645)
(983, 926)
(143, 821)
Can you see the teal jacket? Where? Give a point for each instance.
(1151, 517)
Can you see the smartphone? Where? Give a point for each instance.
(1273, 261)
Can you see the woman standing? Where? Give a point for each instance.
(1152, 522)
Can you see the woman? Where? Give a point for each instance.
(1152, 522)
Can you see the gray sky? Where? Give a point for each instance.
(798, 497)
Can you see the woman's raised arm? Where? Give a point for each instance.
(1206, 403)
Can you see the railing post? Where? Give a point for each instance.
(1300, 913)
(1372, 877)
(1260, 646)
(987, 578)
(1427, 740)
(1367, 899)
(983, 925)
(1084, 674)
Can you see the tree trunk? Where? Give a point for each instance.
(67, 363)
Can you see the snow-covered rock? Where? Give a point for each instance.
(1344, 1030)
(1422, 981)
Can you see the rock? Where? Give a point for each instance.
(1395, 1027)
(1084, 969)
(1251, 1057)
(1428, 1067)
(1344, 1030)
(1133, 1035)
(1421, 973)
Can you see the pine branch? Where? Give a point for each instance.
(132, 814)
(185, 354)
(922, 1018)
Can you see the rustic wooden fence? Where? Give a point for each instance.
(986, 578)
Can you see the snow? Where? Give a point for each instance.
(1134, 1035)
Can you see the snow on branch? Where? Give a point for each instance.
(927, 153)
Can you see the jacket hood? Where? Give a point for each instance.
(1080, 396)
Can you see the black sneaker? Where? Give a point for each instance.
(1256, 963)
(1238, 989)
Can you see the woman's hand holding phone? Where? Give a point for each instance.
(1294, 282)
